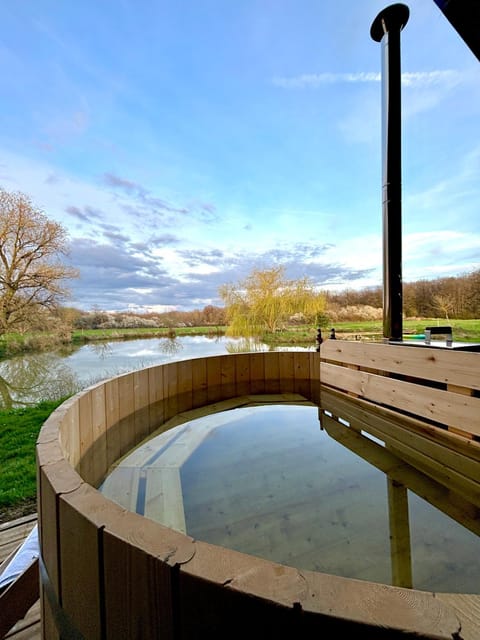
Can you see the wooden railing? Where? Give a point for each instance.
(437, 386)
(110, 573)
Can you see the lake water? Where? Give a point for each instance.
(34, 377)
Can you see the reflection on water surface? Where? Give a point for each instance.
(270, 481)
(32, 377)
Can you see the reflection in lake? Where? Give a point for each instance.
(170, 346)
(30, 378)
(101, 349)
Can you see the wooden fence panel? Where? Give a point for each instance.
(444, 407)
(440, 365)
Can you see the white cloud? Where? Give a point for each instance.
(313, 80)
(442, 77)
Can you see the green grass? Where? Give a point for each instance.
(463, 330)
(19, 430)
(87, 335)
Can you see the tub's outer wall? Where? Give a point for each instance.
(110, 573)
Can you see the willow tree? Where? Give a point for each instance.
(266, 301)
(32, 274)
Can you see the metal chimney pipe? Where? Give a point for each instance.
(386, 29)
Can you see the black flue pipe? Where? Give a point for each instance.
(386, 29)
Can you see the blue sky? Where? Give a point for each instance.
(182, 143)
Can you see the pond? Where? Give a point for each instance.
(276, 480)
(30, 378)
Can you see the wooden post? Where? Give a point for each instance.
(399, 534)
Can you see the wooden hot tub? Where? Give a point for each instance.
(110, 573)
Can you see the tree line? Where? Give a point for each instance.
(33, 292)
(453, 297)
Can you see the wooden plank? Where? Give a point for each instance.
(12, 535)
(72, 420)
(99, 431)
(29, 627)
(384, 610)
(85, 426)
(141, 564)
(450, 478)
(48, 540)
(18, 597)
(287, 373)
(126, 408)
(257, 373)
(272, 372)
(399, 523)
(249, 588)
(339, 401)
(170, 385)
(437, 405)
(112, 421)
(214, 379)
(277, 398)
(404, 434)
(199, 382)
(242, 373)
(467, 609)
(164, 497)
(156, 397)
(314, 359)
(49, 627)
(82, 515)
(53, 480)
(140, 402)
(185, 385)
(441, 365)
(139, 456)
(66, 422)
(468, 392)
(228, 376)
(301, 365)
(231, 596)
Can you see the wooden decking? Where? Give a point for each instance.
(12, 534)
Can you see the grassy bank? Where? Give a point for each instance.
(463, 330)
(15, 343)
(19, 430)
(91, 335)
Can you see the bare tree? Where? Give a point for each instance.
(444, 303)
(32, 274)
